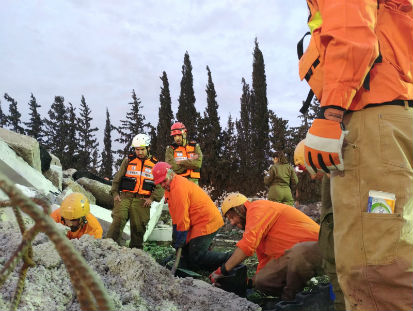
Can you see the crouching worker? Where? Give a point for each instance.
(284, 238)
(133, 192)
(195, 219)
(74, 212)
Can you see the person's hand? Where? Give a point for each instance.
(117, 198)
(195, 156)
(148, 202)
(215, 276)
(178, 238)
(324, 142)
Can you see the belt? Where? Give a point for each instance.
(135, 195)
(398, 102)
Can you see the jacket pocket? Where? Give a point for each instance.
(381, 237)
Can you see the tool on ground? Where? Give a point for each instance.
(176, 263)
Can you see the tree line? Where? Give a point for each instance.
(235, 157)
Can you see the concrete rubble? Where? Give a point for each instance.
(133, 279)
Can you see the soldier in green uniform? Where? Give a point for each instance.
(133, 191)
(280, 179)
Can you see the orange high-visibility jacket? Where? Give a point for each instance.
(186, 153)
(92, 227)
(141, 170)
(192, 209)
(355, 40)
(272, 228)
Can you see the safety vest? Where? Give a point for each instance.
(185, 153)
(141, 170)
(391, 74)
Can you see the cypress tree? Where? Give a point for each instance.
(34, 126)
(210, 134)
(131, 126)
(3, 117)
(259, 117)
(186, 108)
(87, 139)
(71, 157)
(57, 129)
(278, 133)
(165, 118)
(95, 162)
(227, 176)
(13, 119)
(107, 156)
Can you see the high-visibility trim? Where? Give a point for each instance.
(185, 153)
(140, 171)
(315, 22)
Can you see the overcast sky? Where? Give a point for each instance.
(103, 49)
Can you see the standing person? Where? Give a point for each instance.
(74, 212)
(280, 179)
(361, 61)
(284, 238)
(185, 157)
(133, 192)
(195, 218)
(325, 238)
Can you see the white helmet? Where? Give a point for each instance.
(141, 140)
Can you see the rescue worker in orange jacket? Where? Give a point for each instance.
(184, 156)
(74, 212)
(284, 239)
(359, 64)
(133, 191)
(195, 218)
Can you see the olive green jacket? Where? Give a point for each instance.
(156, 194)
(185, 164)
(281, 175)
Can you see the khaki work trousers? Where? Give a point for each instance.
(130, 207)
(288, 274)
(374, 252)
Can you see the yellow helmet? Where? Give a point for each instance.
(74, 206)
(299, 154)
(232, 200)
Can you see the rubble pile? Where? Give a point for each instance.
(133, 279)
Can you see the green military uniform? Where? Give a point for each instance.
(279, 179)
(326, 242)
(185, 164)
(130, 207)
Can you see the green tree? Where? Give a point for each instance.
(165, 119)
(210, 135)
(186, 108)
(279, 132)
(131, 126)
(57, 129)
(107, 156)
(13, 118)
(87, 138)
(3, 117)
(71, 157)
(35, 125)
(259, 116)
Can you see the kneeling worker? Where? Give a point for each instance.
(284, 238)
(74, 212)
(195, 218)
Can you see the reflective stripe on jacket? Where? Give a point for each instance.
(363, 58)
(92, 227)
(186, 153)
(192, 209)
(140, 170)
(272, 228)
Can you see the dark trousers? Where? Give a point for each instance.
(196, 254)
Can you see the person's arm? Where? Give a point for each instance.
(270, 177)
(157, 193)
(116, 180)
(169, 158)
(236, 258)
(293, 178)
(179, 204)
(195, 163)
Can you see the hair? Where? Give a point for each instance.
(281, 157)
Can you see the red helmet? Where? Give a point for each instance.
(159, 172)
(178, 128)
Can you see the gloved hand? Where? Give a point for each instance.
(218, 274)
(178, 238)
(323, 145)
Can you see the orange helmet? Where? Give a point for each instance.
(159, 172)
(178, 128)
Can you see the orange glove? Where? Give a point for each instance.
(323, 146)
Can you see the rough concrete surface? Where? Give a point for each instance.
(133, 279)
(99, 190)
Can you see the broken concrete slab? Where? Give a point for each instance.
(155, 213)
(55, 175)
(75, 187)
(25, 146)
(99, 190)
(20, 172)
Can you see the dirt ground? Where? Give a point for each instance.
(132, 278)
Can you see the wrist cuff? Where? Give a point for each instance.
(224, 271)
